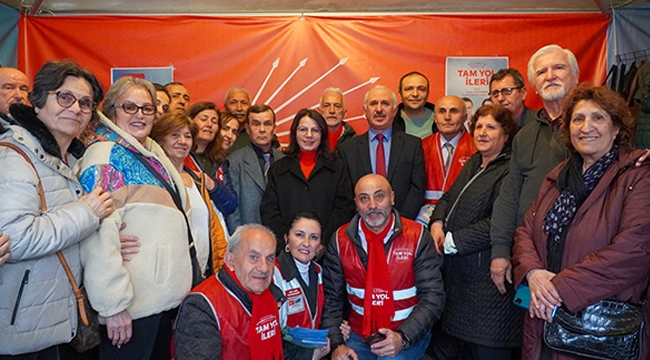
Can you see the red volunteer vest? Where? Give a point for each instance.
(232, 317)
(299, 313)
(438, 180)
(400, 257)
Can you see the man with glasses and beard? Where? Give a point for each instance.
(395, 295)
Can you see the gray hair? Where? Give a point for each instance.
(233, 90)
(333, 90)
(381, 87)
(549, 49)
(119, 87)
(236, 238)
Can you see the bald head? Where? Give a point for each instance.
(14, 87)
(450, 114)
(374, 198)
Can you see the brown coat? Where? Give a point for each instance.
(607, 251)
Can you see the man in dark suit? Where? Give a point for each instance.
(388, 152)
(249, 165)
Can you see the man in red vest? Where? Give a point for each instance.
(445, 152)
(389, 272)
(234, 314)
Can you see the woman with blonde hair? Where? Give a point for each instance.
(137, 300)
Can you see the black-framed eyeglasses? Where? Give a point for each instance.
(130, 107)
(504, 91)
(66, 99)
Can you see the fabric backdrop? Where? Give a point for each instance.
(287, 61)
(9, 18)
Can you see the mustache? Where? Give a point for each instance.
(239, 112)
(371, 212)
(551, 83)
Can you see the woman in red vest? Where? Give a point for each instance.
(301, 280)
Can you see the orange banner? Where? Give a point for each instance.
(287, 62)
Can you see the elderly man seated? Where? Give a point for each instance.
(234, 315)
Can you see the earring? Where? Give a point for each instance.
(286, 248)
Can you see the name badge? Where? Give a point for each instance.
(295, 300)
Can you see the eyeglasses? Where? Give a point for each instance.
(132, 108)
(303, 130)
(66, 99)
(504, 91)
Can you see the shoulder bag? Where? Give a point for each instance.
(87, 336)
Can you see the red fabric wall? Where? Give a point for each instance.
(212, 54)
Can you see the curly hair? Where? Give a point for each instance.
(606, 99)
(502, 115)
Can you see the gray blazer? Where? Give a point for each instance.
(249, 184)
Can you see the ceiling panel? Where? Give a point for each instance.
(78, 7)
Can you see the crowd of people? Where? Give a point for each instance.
(197, 236)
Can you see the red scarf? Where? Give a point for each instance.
(264, 333)
(333, 137)
(307, 162)
(378, 303)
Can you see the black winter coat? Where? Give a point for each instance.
(475, 310)
(327, 192)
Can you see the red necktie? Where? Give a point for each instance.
(380, 159)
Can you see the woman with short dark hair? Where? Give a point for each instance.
(478, 317)
(38, 310)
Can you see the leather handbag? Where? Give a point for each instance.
(608, 329)
(87, 336)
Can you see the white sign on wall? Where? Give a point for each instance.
(470, 76)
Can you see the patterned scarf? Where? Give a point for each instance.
(574, 188)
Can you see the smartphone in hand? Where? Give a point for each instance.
(522, 296)
(373, 338)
